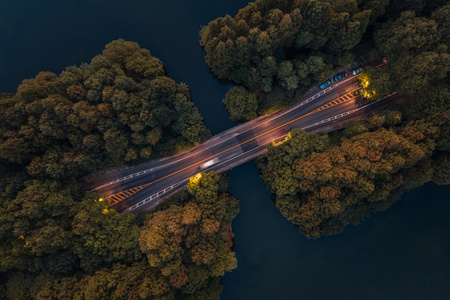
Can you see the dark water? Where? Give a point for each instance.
(49, 35)
(403, 253)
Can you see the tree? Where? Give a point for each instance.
(281, 38)
(286, 75)
(104, 232)
(434, 106)
(240, 104)
(113, 110)
(440, 15)
(319, 184)
(204, 186)
(57, 242)
(34, 224)
(415, 50)
(375, 83)
(442, 169)
(188, 242)
(276, 164)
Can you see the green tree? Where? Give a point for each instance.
(375, 83)
(434, 106)
(281, 38)
(240, 104)
(188, 242)
(416, 52)
(104, 232)
(442, 168)
(57, 242)
(286, 76)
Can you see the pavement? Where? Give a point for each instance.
(142, 187)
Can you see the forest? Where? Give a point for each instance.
(57, 242)
(278, 49)
(323, 182)
(275, 50)
(120, 108)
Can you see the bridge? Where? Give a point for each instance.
(143, 187)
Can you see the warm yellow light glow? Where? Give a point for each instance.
(101, 199)
(22, 238)
(368, 94)
(365, 83)
(288, 137)
(195, 180)
(105, 211)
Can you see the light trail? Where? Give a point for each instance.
(118, 197)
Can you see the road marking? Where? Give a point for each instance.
(141, 187)
(251, 128)
(347, 112)
(148, 199)
(224, 162)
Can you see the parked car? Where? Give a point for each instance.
(339, 76)
(356, 71)
(326, 83)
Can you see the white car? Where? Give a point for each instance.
(209, 163)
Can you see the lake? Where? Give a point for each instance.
(402, 253)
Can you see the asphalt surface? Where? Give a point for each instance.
(143, 187)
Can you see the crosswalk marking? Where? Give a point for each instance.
(115, 198)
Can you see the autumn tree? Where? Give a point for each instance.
(319, 184)
(57, 242)
(188, 242)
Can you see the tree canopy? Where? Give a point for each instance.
(57, 242)
(417, 51)
(322, 185)
(58, 246)
(434, 106)
(121, 107)
(287, 44)
(278, 49)
(185, 247)
(241, 104)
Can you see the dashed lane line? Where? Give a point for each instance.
(259, 124)
(136, 189)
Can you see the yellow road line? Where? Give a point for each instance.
(128, 193)
(139, 188)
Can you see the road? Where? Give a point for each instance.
(143, 187)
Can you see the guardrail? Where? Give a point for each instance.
(153, 197)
